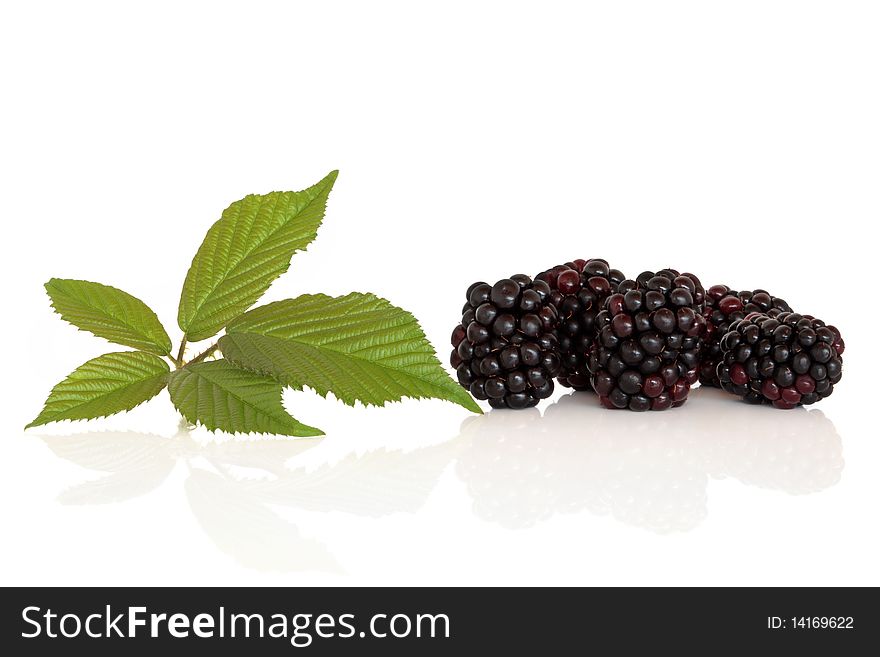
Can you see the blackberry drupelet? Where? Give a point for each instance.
(723, 307)
(647, 354)
(788, 360)
(578, 291)
(505, 349)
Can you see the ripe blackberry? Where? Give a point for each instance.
(788, 360)
(647, 354)
(506, 349)
(723, 307)
(578, 291)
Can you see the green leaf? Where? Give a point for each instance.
(249, 247)
(219, 395)
(109, 313)
(105, 385)
(359, 347)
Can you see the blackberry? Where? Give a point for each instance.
(578, 291)
(788, 360)
(506, 349)
(723, 307)
(647, 353)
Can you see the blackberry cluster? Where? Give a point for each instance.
(723, 307)
(505, 348)
(787, 360)
(578, 291)
(647, 354)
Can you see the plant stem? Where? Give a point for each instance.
(207, 352)
(180, 353)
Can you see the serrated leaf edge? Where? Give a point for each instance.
(166, 375)
(327, 181)
(198, 422)
(160, 350)
(472, 406)
(301, 386)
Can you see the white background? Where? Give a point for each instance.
(475, 140)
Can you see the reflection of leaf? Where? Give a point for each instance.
(119, 486)
(374, 484)
(138, 463)
(269, 455)
(142, 461)
(113, 451)
(235, 511)
(248, 531)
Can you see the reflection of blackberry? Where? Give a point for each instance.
(646, 470)
(522, 469)
(506, 348)
(510, 467)
(800, 453)
(647, 354)
(578, 290)
(723, 307)
(787, 360)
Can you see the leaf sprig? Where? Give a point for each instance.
(359, 346)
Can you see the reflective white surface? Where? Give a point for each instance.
(649, 472)
(508, 480)
(520, 469)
